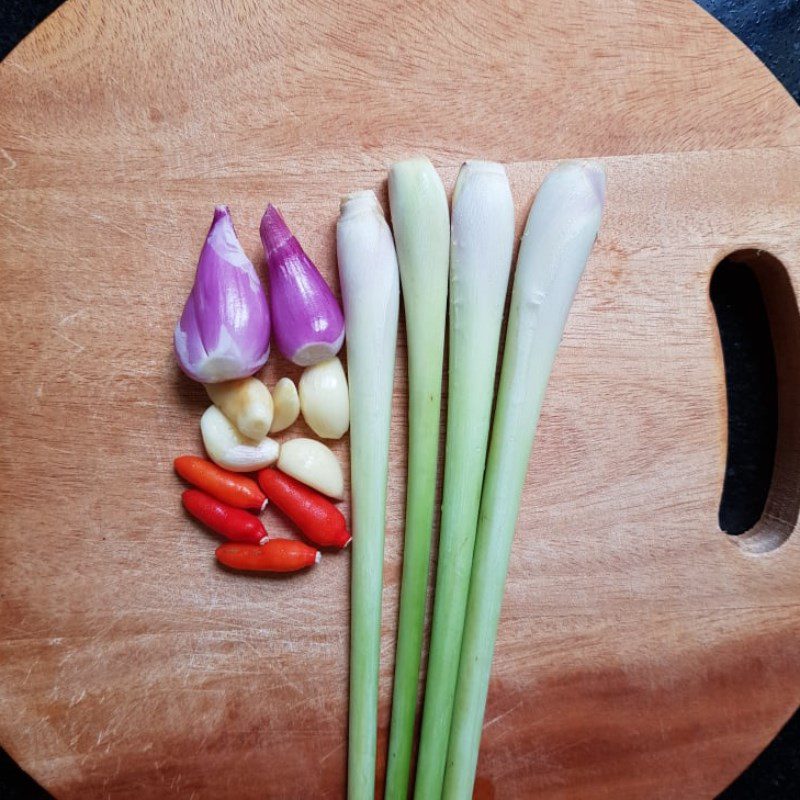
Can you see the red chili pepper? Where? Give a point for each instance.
(230, 522)
(234, 489)
(277, 555)
(318, 519)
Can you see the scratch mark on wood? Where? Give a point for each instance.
(331, 752)
(496, 719)
(12, 165)
(17, 223)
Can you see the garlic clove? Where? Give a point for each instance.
(247, 403)
(228, 448)
(324, 400)
(286, 405)
(314, 464)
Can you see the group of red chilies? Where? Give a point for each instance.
(224, 501)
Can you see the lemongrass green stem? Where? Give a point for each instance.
(421, 224)
(558, 238)
(481, 247)
(371, 293)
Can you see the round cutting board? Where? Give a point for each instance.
(641, 652)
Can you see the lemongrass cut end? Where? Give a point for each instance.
(409, 166)
(358, 202)
(597, 177)
(475, 165)
(488, 181)
(593, 172)
(407, 163)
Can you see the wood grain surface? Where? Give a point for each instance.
(642, 654)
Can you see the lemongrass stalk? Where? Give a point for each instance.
(481, 247)
(421, 223)
(371, 293)
(558, 238)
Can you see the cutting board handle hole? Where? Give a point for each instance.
(759, 329)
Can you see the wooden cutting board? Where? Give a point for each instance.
(642, 653)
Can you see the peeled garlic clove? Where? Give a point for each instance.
(324, 400)
(286, 405)
(247, 403)
(314, 464)
(229, 449)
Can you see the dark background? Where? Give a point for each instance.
(771, 28)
